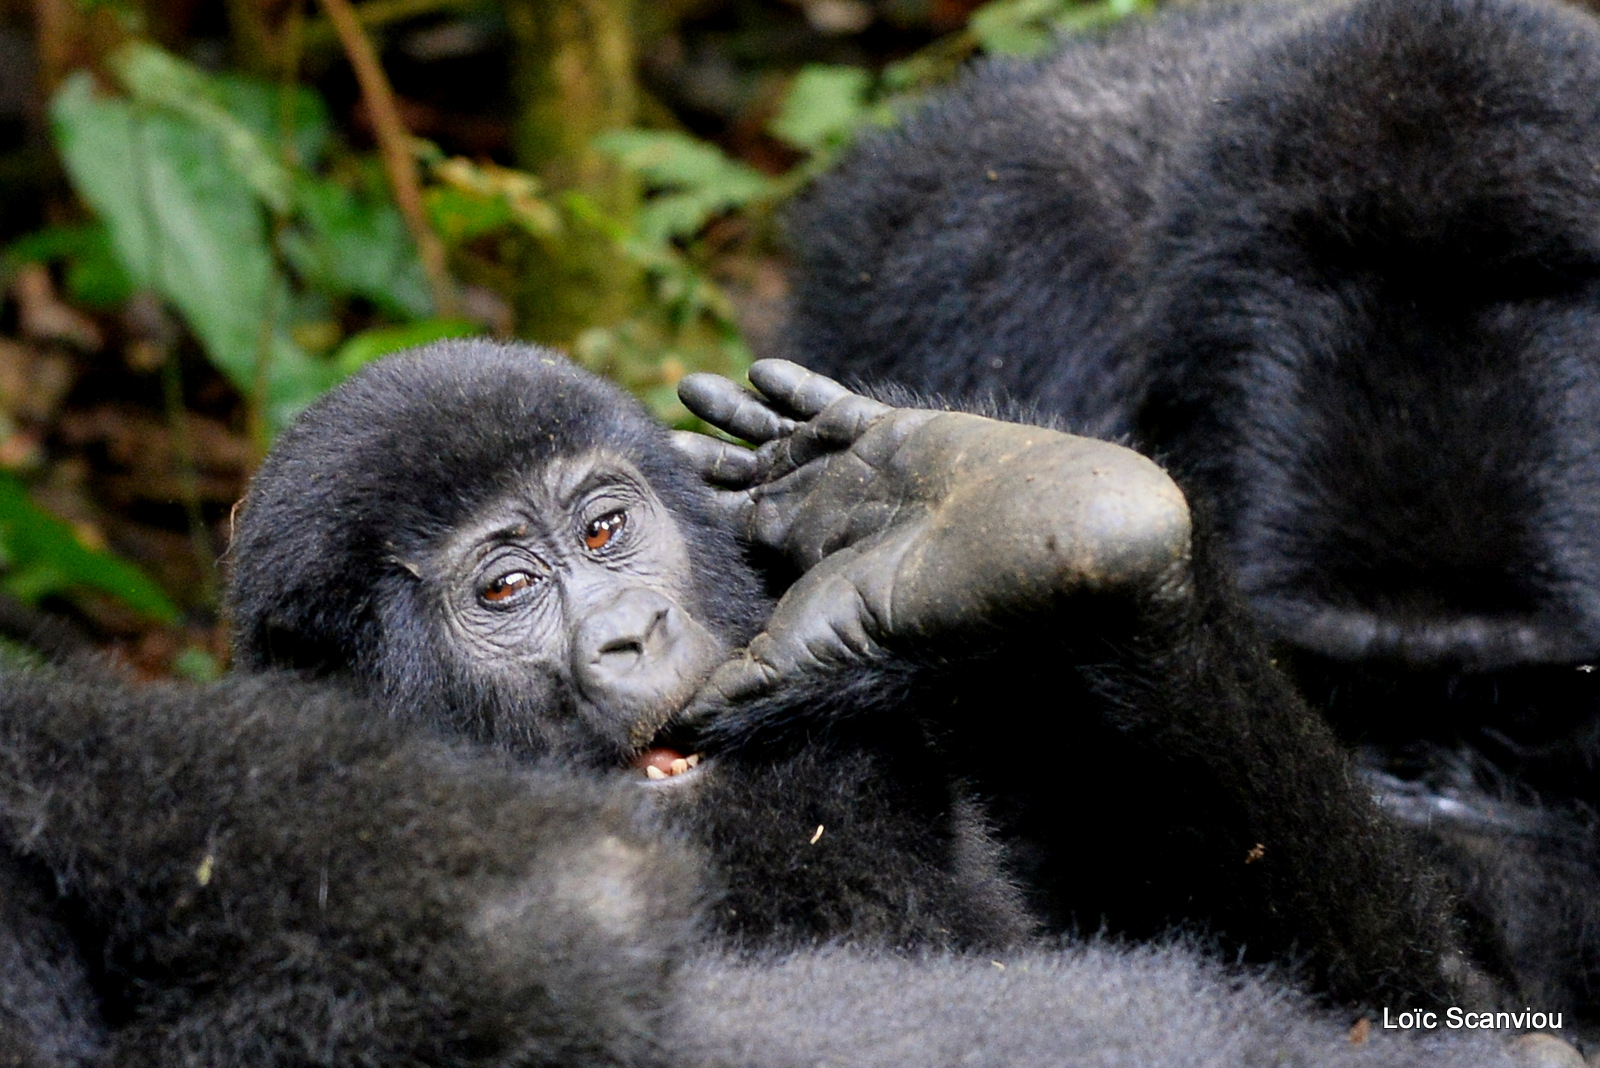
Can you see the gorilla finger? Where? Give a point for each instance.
(725, 405)
(768, 523)
(732, 511)
(809, 442)
(738, 680)
(809, 536)
(848, 418)
(802, 392)
(775, 505)
(838, 427)
(718, 462)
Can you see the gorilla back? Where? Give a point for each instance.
(1339, 267)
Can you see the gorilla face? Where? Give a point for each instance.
(574, 589)
(484, 538)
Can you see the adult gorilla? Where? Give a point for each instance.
(1339, 267)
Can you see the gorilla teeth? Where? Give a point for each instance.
(677, 767)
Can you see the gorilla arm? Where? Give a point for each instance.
(1194, 785)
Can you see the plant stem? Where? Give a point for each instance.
(394, 146)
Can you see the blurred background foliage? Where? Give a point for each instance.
(214, 210)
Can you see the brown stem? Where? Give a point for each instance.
(55, 28)
(375, 13)
(188, 477)
(394, 146)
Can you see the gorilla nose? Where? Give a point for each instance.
(625, 648)
(640, 627)
(619, 635)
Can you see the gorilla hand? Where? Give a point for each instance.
(918, 526)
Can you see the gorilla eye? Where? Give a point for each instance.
(506, 587)
(600, 532)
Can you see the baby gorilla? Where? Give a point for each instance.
(482, 538)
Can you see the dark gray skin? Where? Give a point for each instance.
(918, 528)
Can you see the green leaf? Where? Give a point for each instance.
(476, 198)
(94, 277)
(673, 159)
(356, 246)
(824, 107)
(1029, 27)
(368, 345)
(258, 105)
(153, 77)
(460, 216)
(42, 556)
(696, 180)
(196, 665)
(182, 224)
(1015, 27)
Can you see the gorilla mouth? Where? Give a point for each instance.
(672, 753)
(664, 762)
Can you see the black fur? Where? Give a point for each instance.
(278, 871)
(317, 584)
(389, 463)
(945, 824)
(260, 872)
(1338, 265)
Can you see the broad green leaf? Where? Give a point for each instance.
(1016, 27)
(52, 243)
(356, 246)
(1088, 16)
(183, 224)
(153, 77)
(258, 105)
(1029, 27)
(41, 555)
(696, 181)
(476, 198)
(460, 216)
(670, 158)
(196, 665)
(823, 107)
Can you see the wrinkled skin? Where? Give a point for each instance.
(577, 583)
(921, 528)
